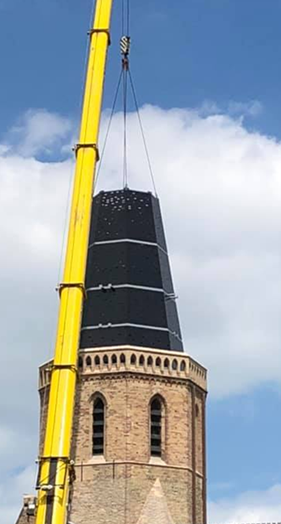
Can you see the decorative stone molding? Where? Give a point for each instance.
(134, 360)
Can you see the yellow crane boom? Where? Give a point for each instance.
(54, 464)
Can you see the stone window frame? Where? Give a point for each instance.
(93, 398)
(163, 427)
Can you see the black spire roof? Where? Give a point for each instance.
(130, 295)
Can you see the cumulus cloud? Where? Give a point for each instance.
(219, 187)
(39, 132)
(253, 108)
(251, 506)
(233, 108)
(33, 202)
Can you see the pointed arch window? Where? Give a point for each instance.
(98, 426)
(156, 427)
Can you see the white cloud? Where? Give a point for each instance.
(251, 506)
(233, 108)
(12, 491)
(39, 132)
(33, 201)
(253, 108)
(220, 190)
(219, 187)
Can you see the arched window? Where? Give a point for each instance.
(123, 359)
(105, 359)
(88, 362)
(183, 365)
(97, 360)
(80, 363)
(133, 359)
(158, 362)
(175, 364)
(149, 361)
(166, 363)
(113, 359)
(98, 426)
(156, 427)
(141, 360)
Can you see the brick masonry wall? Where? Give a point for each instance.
(23, 518)
(113, 489)
(117, 495)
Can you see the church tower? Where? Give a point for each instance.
(138, 441)
(134, 451)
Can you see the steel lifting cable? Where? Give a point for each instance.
(125, 17)
(108, 127)
(125, 42)
(142, 131)
(125, 49)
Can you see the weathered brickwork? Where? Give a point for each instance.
(27, 514)
(108, 494)
(24, 518)
(113, 488)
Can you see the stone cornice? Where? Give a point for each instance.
(136, 362)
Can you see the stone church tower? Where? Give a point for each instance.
(139, 426)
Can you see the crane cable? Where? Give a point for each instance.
(108, 127)
(125, 49)
(125, 43)
(127, 81)
(142, 132)
(125, 17)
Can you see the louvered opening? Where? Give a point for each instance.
(98, 427)
(155, 428)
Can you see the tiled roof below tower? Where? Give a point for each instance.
(130, 295)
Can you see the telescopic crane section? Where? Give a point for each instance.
(55, 467)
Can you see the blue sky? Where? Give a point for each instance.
(219, 50)
(244, 432)
(185, 54)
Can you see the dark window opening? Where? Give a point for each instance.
(155, 428)
(88, 362)
(98, 427)
(133, 359)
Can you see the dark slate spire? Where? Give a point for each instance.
(130, 295)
